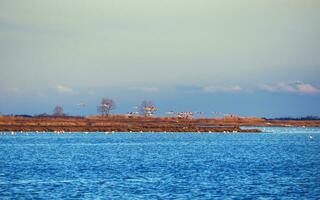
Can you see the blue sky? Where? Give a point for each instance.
(251, 58)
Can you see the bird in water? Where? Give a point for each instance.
(310, 137)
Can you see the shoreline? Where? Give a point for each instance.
(121, 123)
(14, 128)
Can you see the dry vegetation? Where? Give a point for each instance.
(120, 123)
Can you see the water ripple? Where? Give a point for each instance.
(281, 163)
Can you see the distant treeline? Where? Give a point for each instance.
(295, 118)
(147, 109)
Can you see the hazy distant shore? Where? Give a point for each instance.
(121, 123)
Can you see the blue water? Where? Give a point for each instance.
(281, 163)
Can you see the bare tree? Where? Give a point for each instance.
(106, 106)
(58, 111)
(147, 108)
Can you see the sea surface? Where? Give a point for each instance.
(280, 163)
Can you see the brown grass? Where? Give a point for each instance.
(123, 123)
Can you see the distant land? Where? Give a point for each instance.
(143, 119)
(125, 123)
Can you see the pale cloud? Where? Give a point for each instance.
(287, 87)
(266, 87)
(14, 90)
(308, 89)
(227, 89)
(63, 89)
(214, 40)
(291, 87)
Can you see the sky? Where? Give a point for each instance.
(246, 57)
